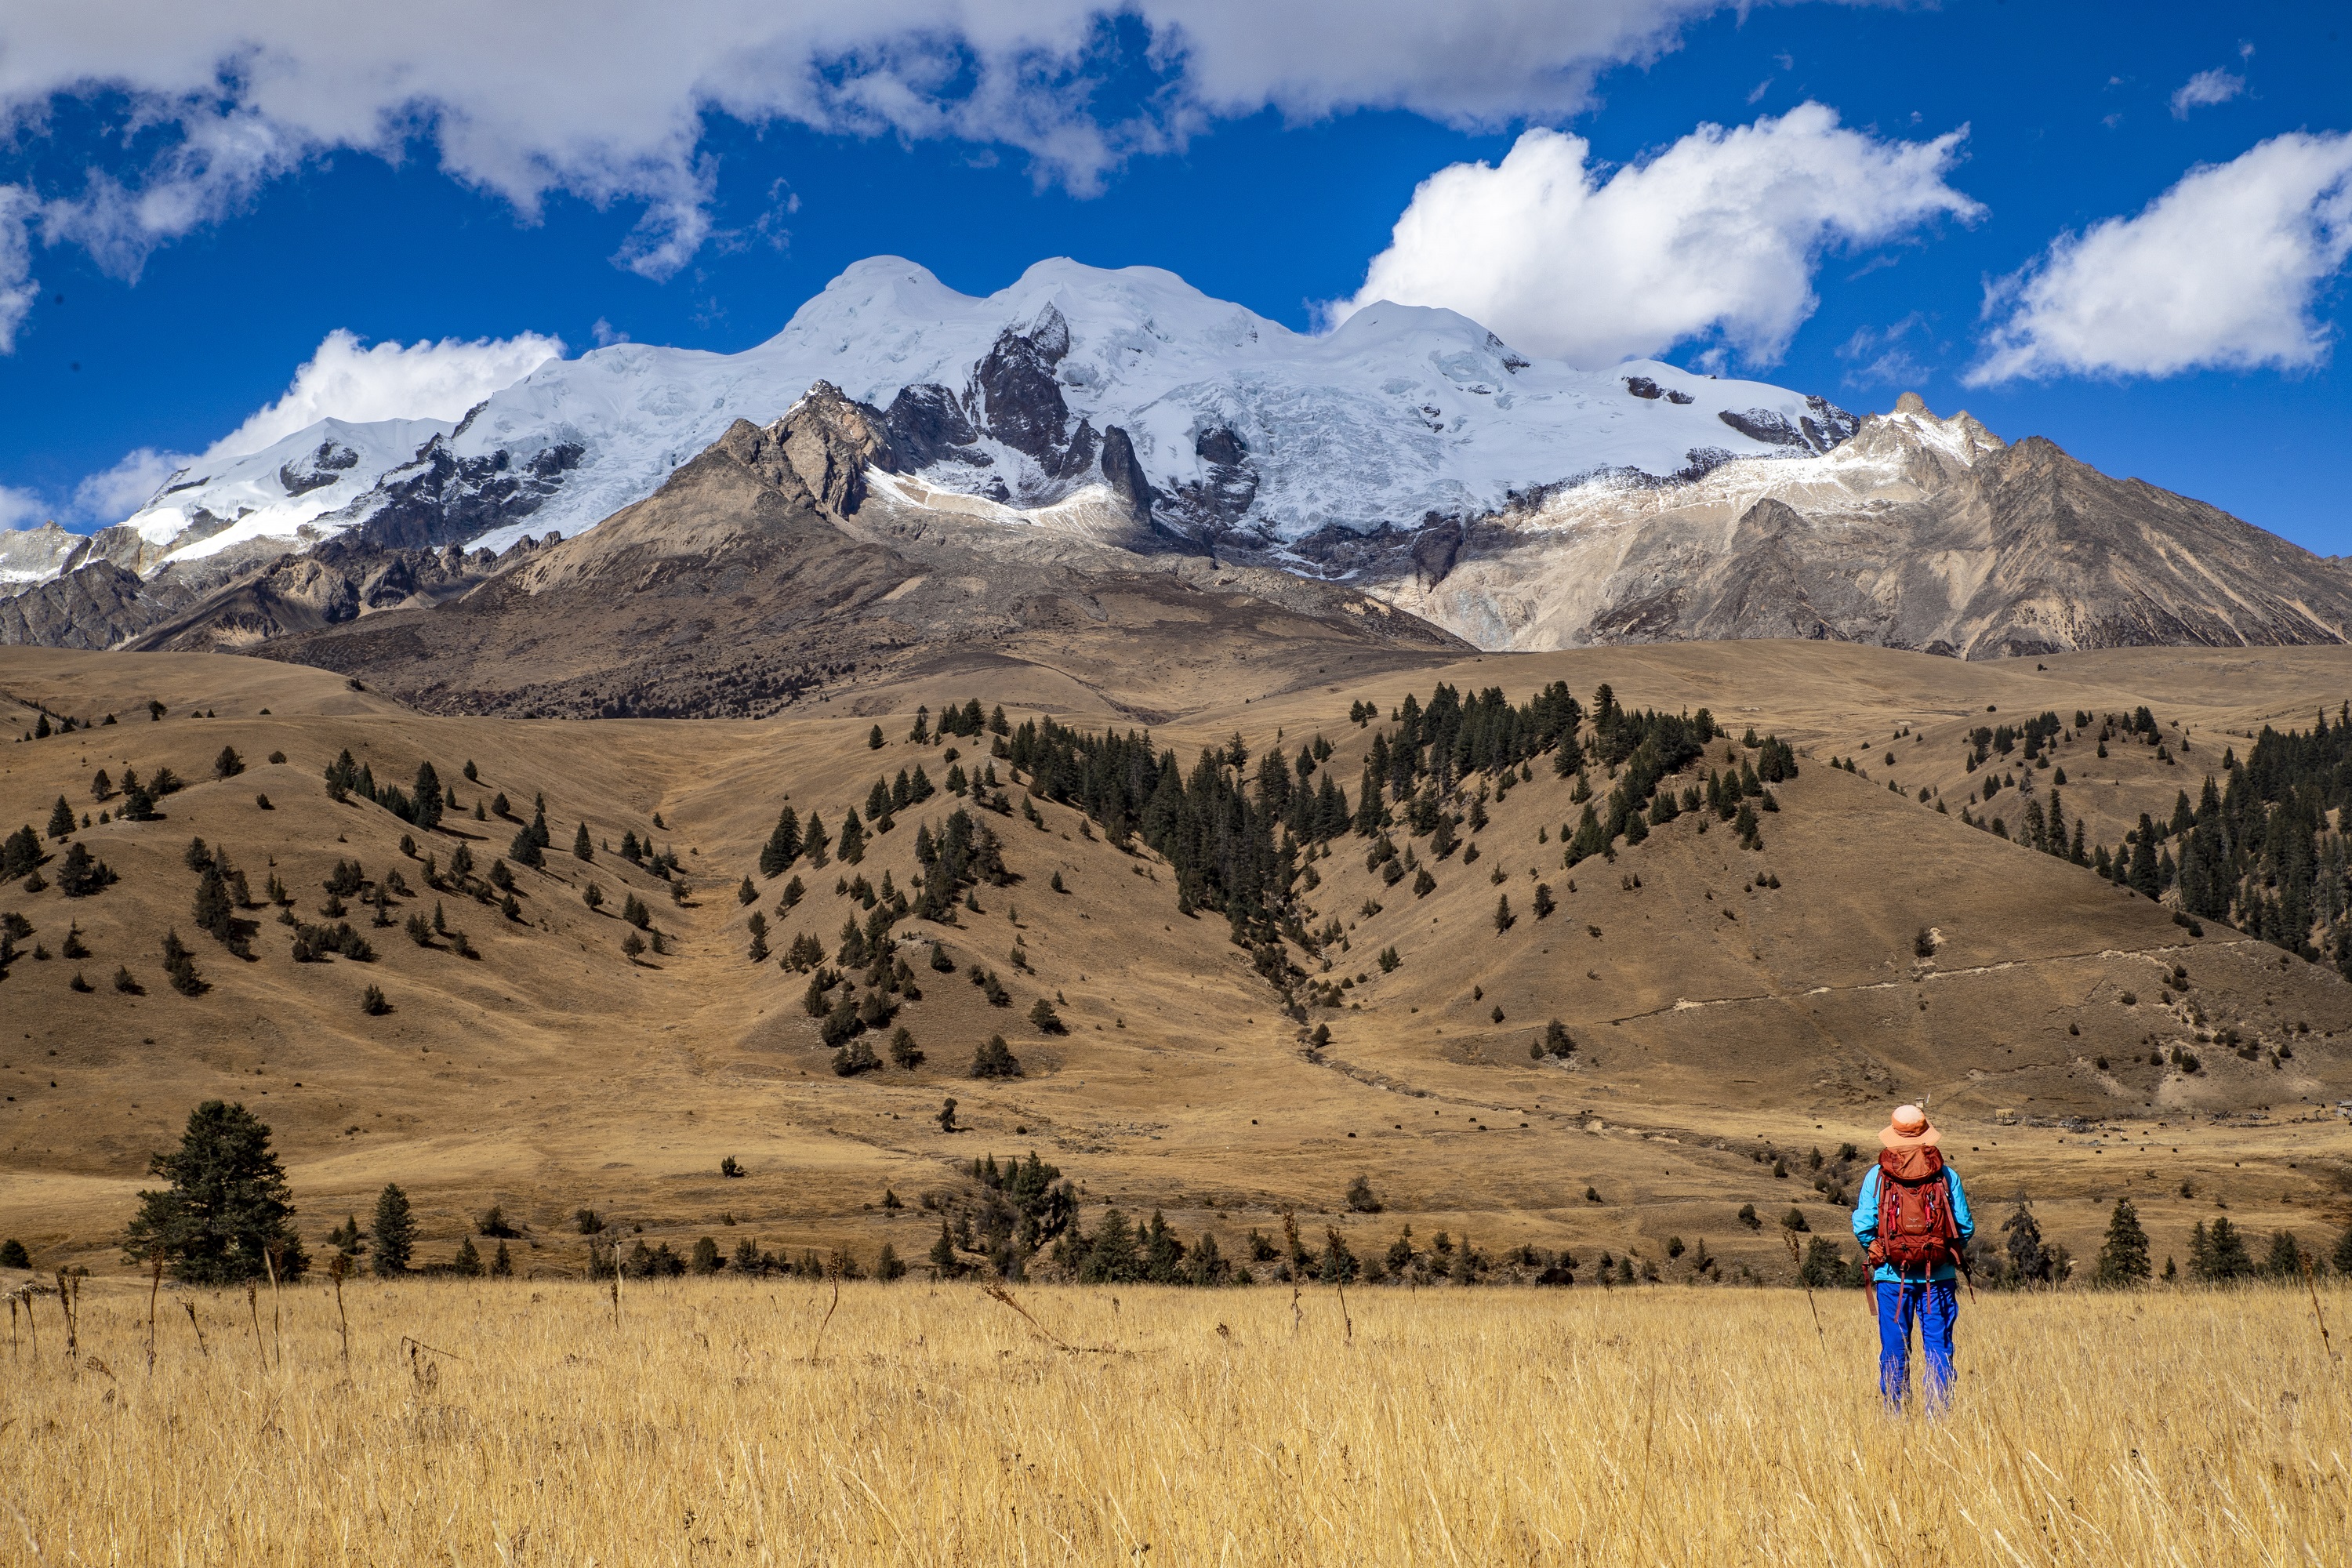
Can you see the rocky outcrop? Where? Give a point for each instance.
(441, 498)
(98, 606)
(1913, 532)
(765, 569)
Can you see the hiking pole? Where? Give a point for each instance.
(1790, 1237)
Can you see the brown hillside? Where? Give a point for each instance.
(1717, 1020)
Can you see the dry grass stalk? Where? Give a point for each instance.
(201, 1346)
(154, 1288)
(818, 1344)
(1797, 1258)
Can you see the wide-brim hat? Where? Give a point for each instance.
(1909, 1128)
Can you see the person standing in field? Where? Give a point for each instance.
(1912, 1218)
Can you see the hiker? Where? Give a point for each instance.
(1912, 1217)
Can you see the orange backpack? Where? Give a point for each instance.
(1916, 1227)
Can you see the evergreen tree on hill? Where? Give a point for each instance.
(62, 820)
(227, 1211)
(2122, 1260)
(783, 845)
(394, 1235)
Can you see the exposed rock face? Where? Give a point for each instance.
(98, 606)
(775, 561)
(34, 555)
(1912, 532)
(343, 581)
(441, 498)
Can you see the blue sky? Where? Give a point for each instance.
(229, 231)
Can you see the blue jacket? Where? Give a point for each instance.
(1865, 1223)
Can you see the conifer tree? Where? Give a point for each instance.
(851, 847)
(582, 848)
(783, 845)
(944, 1264)
(393, 1235)
(2122, 1260)
(62, 820)
(468, 1264)
(227, 1212)
(1503, 918)
(228, 764)
(2286, 1259)
(994, 1059)
(180, 967)
(502, 1266)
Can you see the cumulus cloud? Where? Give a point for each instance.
(2220, 271)
(112, 494)
(2204, 90)
(20, 508)
(1718, 237)
(388, 380)
(533, 97)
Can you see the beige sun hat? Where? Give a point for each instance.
(1909, 1128)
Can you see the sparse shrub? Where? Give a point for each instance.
(1360, 1197)
(373, 1004)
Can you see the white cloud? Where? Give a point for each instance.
(20, 508)
(2204, 90)
(421, 381)
(1718, 236)
(531, 97)
(1883, 356)
(112, 494)
(2220, 271)
(19, 288)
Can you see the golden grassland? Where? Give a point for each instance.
(722, 1422)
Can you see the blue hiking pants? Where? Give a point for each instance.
(1935, 1305)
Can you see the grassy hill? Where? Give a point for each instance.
(1721, 1025)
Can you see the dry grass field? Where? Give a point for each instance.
(731, 1422)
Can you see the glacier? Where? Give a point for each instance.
(1398, 418)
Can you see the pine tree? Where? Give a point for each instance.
(944, 1263)
(393, 1237)
(783, 845)
(582, 848)
(227, 1215)
(228, 764)
(180, 967)
(2219, 1254)
(2286, 1259)
(850, 849)
(502, 1266)
(212, 913)
(994, 1059)
(2122, 1260)
(1111, 1256)
(62, 821)
(468, 1264)
(2144, 879)
(1503, 918)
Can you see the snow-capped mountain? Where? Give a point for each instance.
(1074, 377)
